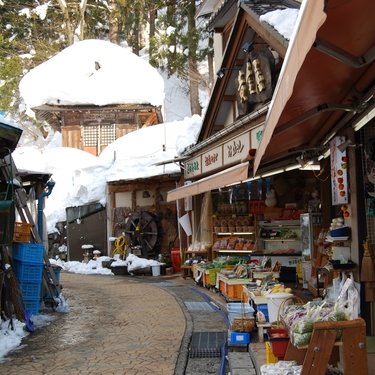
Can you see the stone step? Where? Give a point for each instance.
(240, 363)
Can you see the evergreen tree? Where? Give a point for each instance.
(181, 46)
(33, 32)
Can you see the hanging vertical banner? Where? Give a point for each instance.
(339, 172)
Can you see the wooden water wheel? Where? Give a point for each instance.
(143, 230)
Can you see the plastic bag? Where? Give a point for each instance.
(303, 326)
(300, 339)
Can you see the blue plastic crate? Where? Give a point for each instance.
(28, 271)
(28, 252)
(238, 310)
(32, 305)
(240, 338)
(30, 291)
(264, 309)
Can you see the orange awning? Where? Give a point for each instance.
(310, 18)
(229, 176)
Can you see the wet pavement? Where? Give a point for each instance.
(117, 325)
(120, 325)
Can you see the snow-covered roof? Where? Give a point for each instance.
(93, 72)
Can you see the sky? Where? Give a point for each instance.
(80, 178)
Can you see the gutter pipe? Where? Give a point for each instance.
(50, 185)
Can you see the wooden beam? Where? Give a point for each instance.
(134, 199)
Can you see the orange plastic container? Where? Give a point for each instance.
(21, 232)
(234, 291)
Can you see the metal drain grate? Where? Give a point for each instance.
(198, 306)
(207, 344)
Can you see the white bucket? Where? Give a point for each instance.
(273, 302)
(155, 270)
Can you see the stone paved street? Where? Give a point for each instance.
(115, 326)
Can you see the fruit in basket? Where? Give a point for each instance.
(288, 290)
(279, 335)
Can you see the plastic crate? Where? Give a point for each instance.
(32, 305)
(206, 278)
(233, 291)
(264, 309)
(240, 338)
(28, 271)
(270, 357)
(21, 232)
(236, 310)
(213, 275)
(30, 291)
(28, 252)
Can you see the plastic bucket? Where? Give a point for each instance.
(155, 270)
(273, 302)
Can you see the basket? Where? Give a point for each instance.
(243, 323)
(280, 324)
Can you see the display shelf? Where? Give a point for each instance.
(281, 240)
(350, 353)
(255, 253)
(233, 251)
(233, 233)
(187, 269)
(272, 240)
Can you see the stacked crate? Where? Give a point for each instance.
(21, 232)
(28, 268)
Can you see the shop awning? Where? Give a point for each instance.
(229, 176)
(310, 18)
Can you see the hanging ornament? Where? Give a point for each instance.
(249, 185)
(260, 188)
(236, 191)
(271, 198)
(230, 191)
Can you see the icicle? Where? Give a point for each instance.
(230, 191)
(260, 188)
(249, 186)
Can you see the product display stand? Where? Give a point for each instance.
(187, 270)
(349, 354)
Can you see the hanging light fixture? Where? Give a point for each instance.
(221, 72)
(301, 161)
(159, 198)
(146, 194)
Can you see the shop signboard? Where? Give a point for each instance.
(193, 167)
(212, 159)
(339, 172)
(256, 136)
(236, 148)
